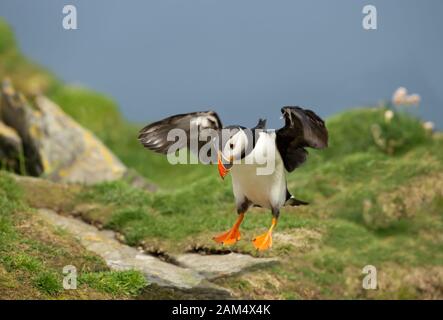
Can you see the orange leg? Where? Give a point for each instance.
(264, 241)
(233, 235)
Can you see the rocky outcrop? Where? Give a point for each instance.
(54, 145)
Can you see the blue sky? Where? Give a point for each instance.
(244, 59)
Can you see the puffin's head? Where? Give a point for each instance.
(233, 151)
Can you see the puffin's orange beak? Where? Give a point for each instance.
(222, 170)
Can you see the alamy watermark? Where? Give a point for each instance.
(370, 280)
(69, 21)
(70, 278)
(370, 19)
(230, 146)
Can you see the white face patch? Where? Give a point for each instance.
(236, 146)
(204, 122)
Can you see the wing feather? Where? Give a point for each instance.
(155, 135)
(303, 128)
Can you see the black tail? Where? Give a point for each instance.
(261, 124)
(291, 201)
(295, 202)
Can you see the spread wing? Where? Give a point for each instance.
(196, 129)
(303, 128)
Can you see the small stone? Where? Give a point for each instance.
(216, 266)
(120, 237)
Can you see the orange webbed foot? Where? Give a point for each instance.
(228, 238)
(263, 242)
(232, 236)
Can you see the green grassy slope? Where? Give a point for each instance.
(33, 254)
(375, 193)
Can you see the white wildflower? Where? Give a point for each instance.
(413, 99)
(428, 126)
(389, 114)
(399, 96)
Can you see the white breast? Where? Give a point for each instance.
(266, 190)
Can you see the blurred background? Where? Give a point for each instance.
(73, 101)
(246, 59)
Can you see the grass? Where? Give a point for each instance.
(129, 283)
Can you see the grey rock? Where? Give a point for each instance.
(10, 148)
(70, 153)
(17, 114)
(217, 266)
(122, 257)
(54, 144)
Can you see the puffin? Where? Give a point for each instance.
(257, 158)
